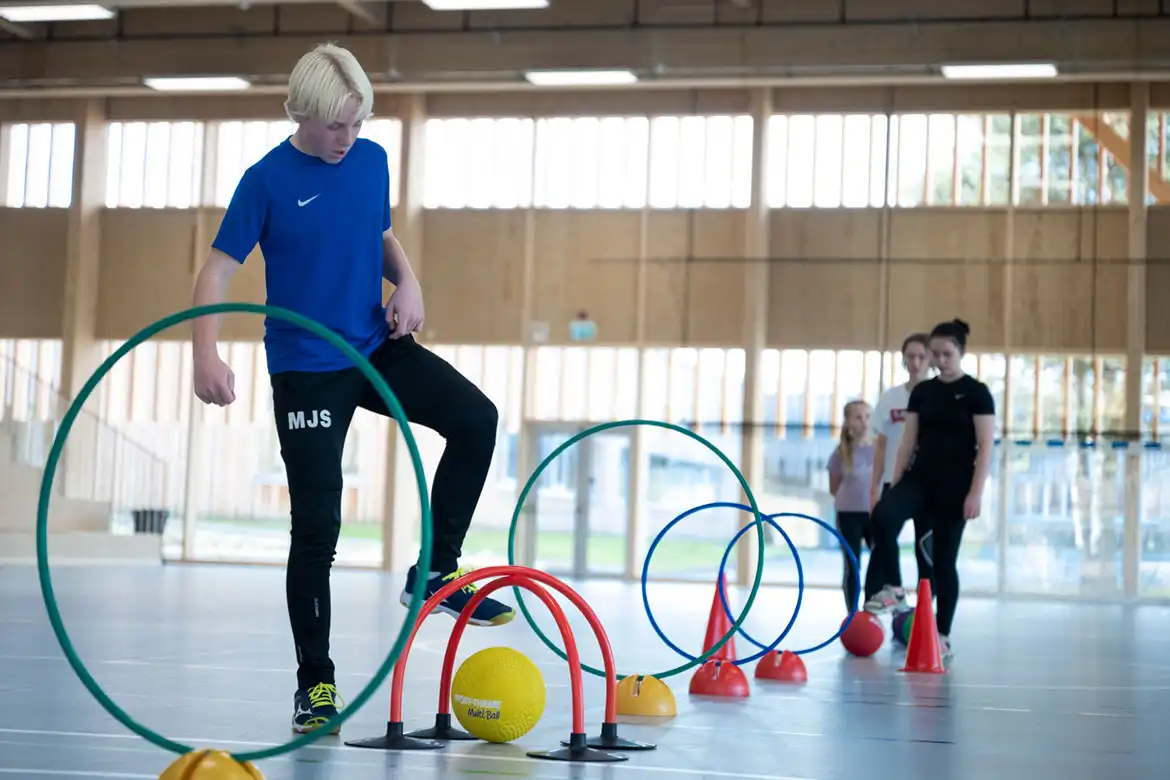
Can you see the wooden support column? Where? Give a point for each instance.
(1002, 497)
(80, 350)
(1135, 332)
(204, 224)
(637, 520)
(5, 140)
(755, 323)
(400, 498)
(527, 454)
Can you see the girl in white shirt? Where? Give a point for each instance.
(888, 422)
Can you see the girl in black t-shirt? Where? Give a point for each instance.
(942, 466)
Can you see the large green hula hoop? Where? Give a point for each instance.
(747, 491)
(417, 596)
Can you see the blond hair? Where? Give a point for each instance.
(849, 444)
(323, 80)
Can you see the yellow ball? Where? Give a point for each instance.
(209, 765)
(498, 694)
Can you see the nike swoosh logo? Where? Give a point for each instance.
(303, 203)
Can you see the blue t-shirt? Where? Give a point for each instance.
(319, 226)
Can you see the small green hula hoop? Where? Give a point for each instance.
(417, 595)
(751, 499)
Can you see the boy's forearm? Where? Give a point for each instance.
(395, 265)
(210, 288)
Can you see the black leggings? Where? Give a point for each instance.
(937, 509)
(854, 526)
(876, 578)
(313, 412)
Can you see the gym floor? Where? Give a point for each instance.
(203, 656)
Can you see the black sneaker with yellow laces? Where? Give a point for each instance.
(489, 612)
(314, 707)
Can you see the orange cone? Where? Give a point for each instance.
(718, 624)
(923, 654)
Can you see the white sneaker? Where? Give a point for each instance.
(944, 643)
(886, 599)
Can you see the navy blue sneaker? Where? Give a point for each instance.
(315, 707)
(489, 612)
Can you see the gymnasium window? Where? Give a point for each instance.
(1155, 415)
(840, 160)
(238, 145)
(591, 162)
(154, 165)
(38, 161)
(694, 386)
(614, 162)
(701, 162)
(30, 377)
(584, 383)
(478, 163)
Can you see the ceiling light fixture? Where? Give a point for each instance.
(196, 83)
(55, 13)
(1023, 70)
(580, 78)
(485, 5)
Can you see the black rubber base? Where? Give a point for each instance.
(396, 740)
(609, 740)
(578, 750)
(442, 730)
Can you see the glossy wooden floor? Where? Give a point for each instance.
(203, 655)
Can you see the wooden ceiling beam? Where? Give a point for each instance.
(1118, 146)
(19, 30)
(858, 53)
(356, 8)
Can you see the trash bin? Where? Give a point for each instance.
(150, 521)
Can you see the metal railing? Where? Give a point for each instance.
(98, 462)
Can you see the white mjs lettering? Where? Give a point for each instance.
(297, 420)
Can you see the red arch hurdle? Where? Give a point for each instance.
(578, 747)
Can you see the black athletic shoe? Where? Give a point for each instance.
(489, 612)
(314, 707)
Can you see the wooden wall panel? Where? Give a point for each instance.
(946, 264)
(1158, 280)
(149, 259)
(1068, 280)
(824, 279)
(268, 104)
(472, 276)
(695, 278)
(32, 272)
(1067, 284)
(587, 261)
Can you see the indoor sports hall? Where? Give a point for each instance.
(666, 246)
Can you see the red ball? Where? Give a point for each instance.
(864, 636)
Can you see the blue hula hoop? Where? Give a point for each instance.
(844, 546)
(764, 650)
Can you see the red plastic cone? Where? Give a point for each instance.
(718, 624)
(923, 654)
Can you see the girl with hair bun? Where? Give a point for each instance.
(942, 466)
